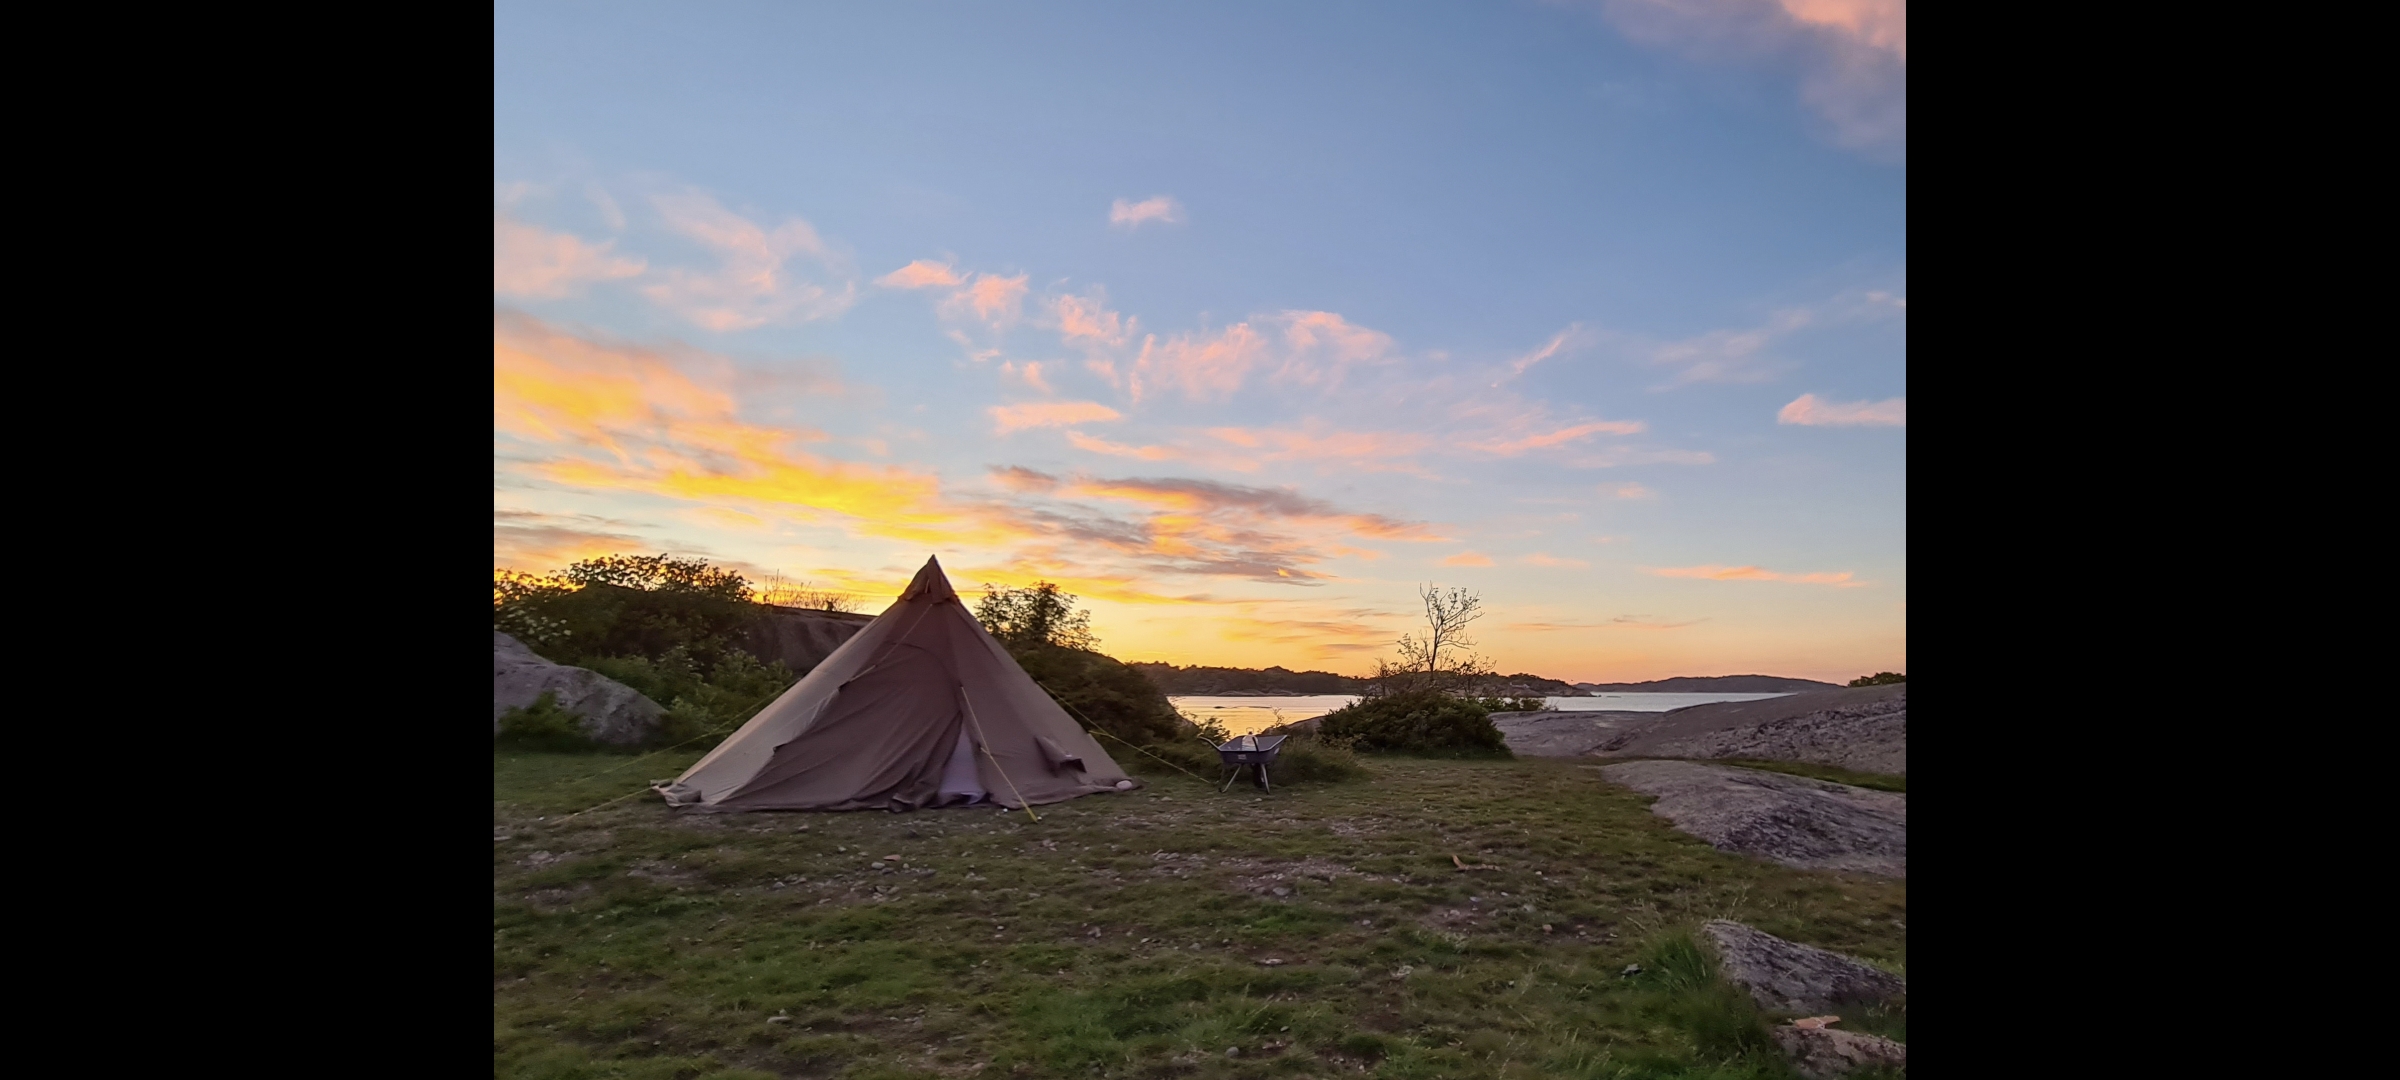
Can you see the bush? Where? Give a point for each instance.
(1100, 692)
(543, 725)
(1422, 722)
(1512, 704)
(1313, 758)
(697, 705)
(1880, 678)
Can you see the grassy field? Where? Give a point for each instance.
(1322, 931)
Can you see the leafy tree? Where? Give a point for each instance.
(1052, 640)
(1040, 615)
(626, 605)
(1880, 678)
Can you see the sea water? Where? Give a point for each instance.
(1243, 714)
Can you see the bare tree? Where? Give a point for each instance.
(1443, 658)
(786, 592)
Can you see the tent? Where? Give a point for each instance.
(920, 708)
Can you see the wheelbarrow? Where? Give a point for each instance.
(1251, 752)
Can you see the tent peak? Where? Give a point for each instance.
(930, 583)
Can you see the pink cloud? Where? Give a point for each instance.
(1085, 320)
(1204, 368)
(994, 299)
(1714, 572)
(1561, 436)
(1813, 411)
(532, 262)
(1085, 442)
(1468, 558)
(1031, 372)
(756, 282)
(1635, 491)
(1307, 348)
(1161, 208)
(1852, 54)
(1046, 414)
(921, 274)
(1541, 558)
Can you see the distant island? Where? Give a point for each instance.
(1711, 684)
(1204, 681)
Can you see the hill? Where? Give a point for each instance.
(1712, 684)
(1203, 680)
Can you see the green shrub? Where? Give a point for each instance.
(1313, 759)
(1880, 678)
(1512, 704)
(1423, 722)
(1098, 691)
(698, 704)
(543, 725)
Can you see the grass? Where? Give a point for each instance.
(1128, 935)
(1875, 781)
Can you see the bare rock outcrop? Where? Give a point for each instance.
(800, 638)
(1570, 732)
(1788, 977)
(1863, 728)
(612, 712)
(1823, 1053)
(1792, 820)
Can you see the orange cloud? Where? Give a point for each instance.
(535, 263)
(1635, 491)
(1811, 410)
(1541, 558)
(1468, 558)
(1713, 572)
(1371, 451)
(1047, 414)
(755, 283)
(1161, 208)
(631, 419)
(921, 274)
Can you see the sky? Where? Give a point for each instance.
(1239, 321)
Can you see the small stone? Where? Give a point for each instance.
(1631, 970)
(1272, 962)
(891, 858)
(1280, 890)
(1545, 928)
(1403, 971)
(779, 1019)
(1233, 1051)
(1124, 785)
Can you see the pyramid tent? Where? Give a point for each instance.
(921, 708)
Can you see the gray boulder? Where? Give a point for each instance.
(1799, 822)
(1863, 728)
(1789, 977)
(612, 712)
(1823, 1053)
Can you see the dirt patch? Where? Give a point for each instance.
(1281, 879)
(552, 901)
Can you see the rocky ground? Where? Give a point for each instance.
(1792, 820)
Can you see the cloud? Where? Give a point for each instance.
(1209, 496)
(1635, 491)
(1048, 414)
(1622, 455)
(1851, 55)
(1731, 356)
(1543, 558)
(1811, 410)
(541, 543)
(1155, 208)
(1086, 320)
(755, 282)
(996, 300)
(533, 263)
(1031, 373)
(1714, 572)
(1304, 348)
(921, 274)
(1557, 437)
(1020, 478)
(1084, 442)
(1468, 558)
(598, 416)
(1573, 333)
(1314, 442)
(1621, 622)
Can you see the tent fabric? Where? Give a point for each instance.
(922, 707)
